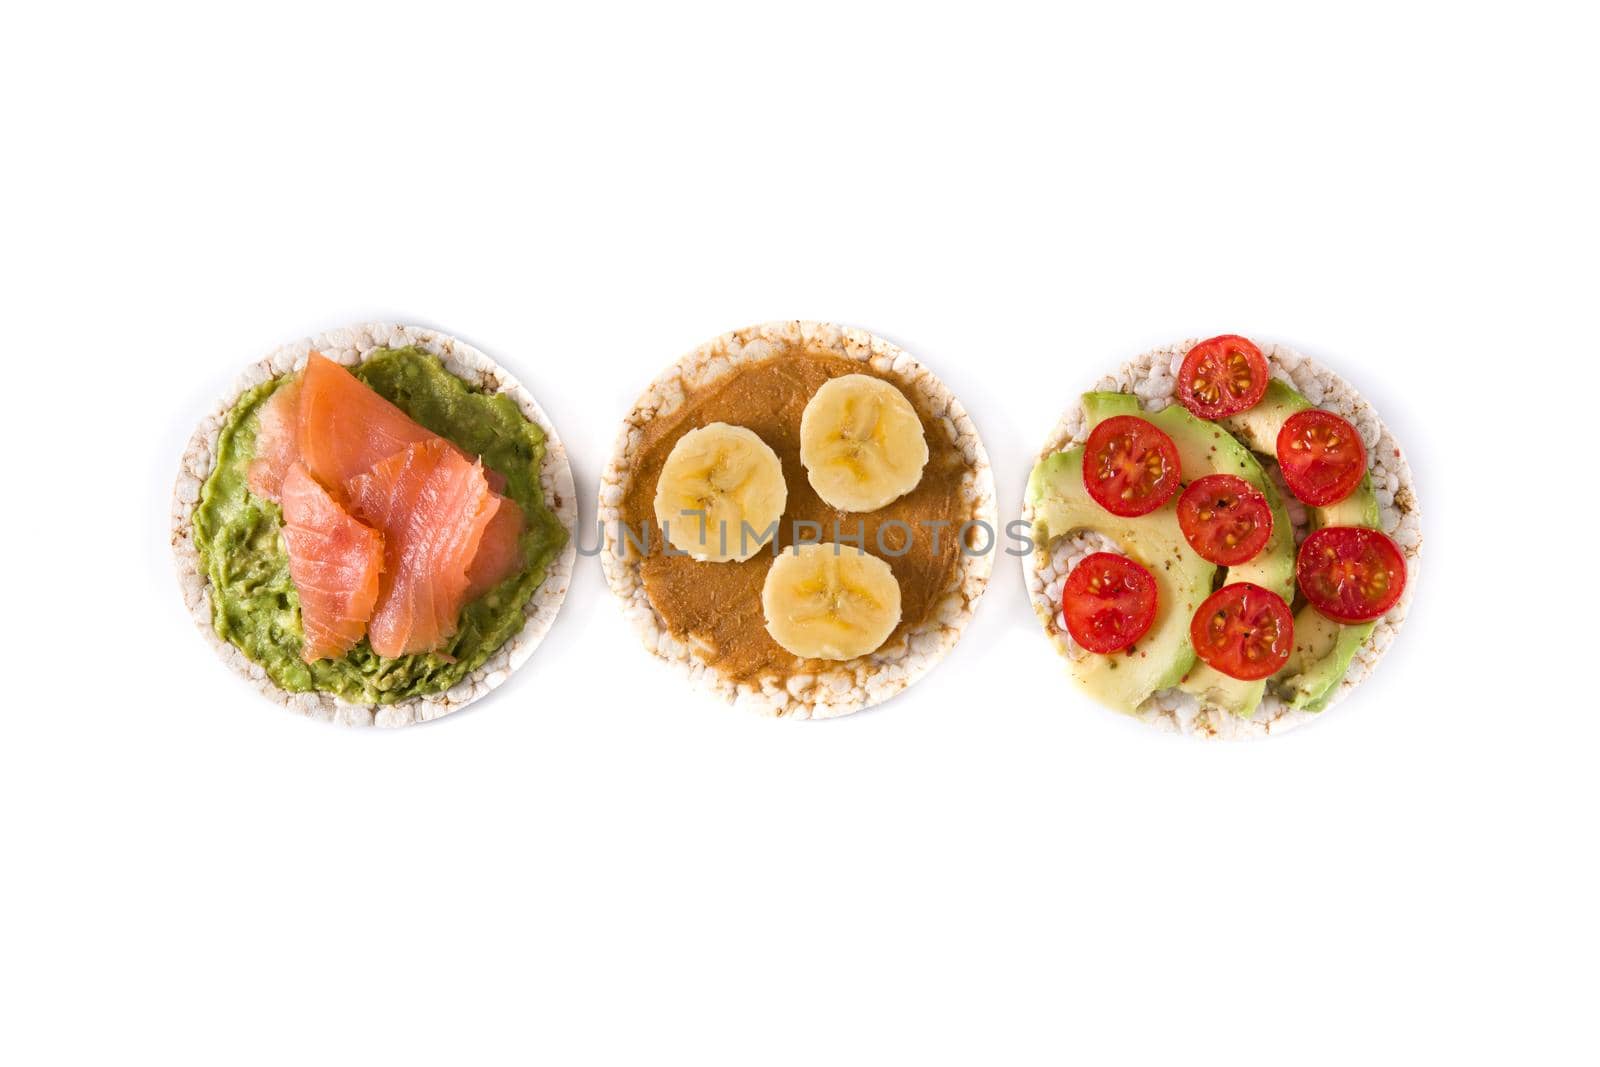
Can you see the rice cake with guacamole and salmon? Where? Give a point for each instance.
(376, 527)
(1226, 538)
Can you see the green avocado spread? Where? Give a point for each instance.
(253, 601)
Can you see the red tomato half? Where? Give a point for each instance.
(1108, 603)
(1244, 631)
(1222, 376)
(1130, 466)
(1322, 457)
(1350, 574)
(1225, 519)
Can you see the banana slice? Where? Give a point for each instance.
(861, 443)
(830, 601)
(720, 490)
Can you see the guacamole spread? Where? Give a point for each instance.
(253, 601)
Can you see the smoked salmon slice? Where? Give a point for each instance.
(345, 427)
(276, 444)
(335, 562)
(432, 506)
(391, 529)
(336, 425)
(500, 552)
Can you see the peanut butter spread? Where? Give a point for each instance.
(715, 608)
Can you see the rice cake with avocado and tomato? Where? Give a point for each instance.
(1270, 659)
(376, 526)
(816, 433)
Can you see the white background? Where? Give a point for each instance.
(599, 866)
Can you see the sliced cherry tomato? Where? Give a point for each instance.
(1130, 466)
(1321, 456)
(1225, 519)
(1244, 631)
(1108, 603)
(1222, 376)
(1350, 574)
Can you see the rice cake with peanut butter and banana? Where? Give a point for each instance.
(799, 516)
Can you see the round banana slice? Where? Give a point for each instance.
(830, 601)
(720, 494)
(861, 443)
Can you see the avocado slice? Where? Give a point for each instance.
(1218, 690)
(1061, 505)
(1323, 648)
(1098, 407)
(1258, 427)
(1360, 508)
(1206, 448)
(1322, 653)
